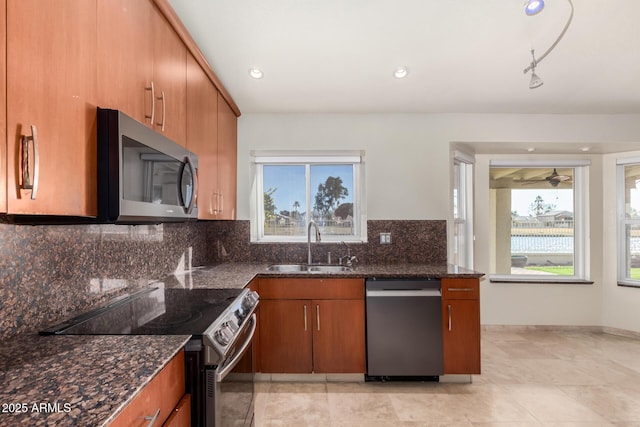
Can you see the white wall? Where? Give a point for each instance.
(408, 177)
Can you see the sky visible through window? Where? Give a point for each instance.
(521, 200)
(289, 182)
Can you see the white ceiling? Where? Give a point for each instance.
(464, 56)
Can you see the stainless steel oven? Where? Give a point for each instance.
(219, 364)
(230, 385)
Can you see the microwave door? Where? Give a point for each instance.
(159, 179)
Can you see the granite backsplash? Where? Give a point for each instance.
(51, 272)
(412, 241)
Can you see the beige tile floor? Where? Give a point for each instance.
(530, 377)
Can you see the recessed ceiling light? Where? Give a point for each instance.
(255, 73)
(585, 149)
(531, 149)
(401, 72)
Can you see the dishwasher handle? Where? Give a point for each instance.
(385, 293)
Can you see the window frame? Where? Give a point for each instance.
(308, 159)
(581, 250)
(462, 234)
(623, 222)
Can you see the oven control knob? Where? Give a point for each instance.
(240, 315)
(249, 301)
(223, 335)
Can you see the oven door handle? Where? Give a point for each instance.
(220, 375)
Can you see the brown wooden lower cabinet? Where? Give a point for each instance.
(461, 326)
(322, 335)
(285, 336)
(181, 415)
(160, 397)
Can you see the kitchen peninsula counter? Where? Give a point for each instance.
(88, 380)
(77, 380)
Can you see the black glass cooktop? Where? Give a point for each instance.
(154, 311)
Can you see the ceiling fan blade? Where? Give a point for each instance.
(556, 177)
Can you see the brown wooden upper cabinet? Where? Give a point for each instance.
(227, 160)
(3, 108)
(51, 107)
(66, 58)
(202, 135)
(211, 134)
(142, 66)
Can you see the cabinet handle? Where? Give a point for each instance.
(318, 316)
(460, 289)
(449, 312)
(29, 181)
(152, 419)
(216, 203)
(213, 203)
(164, 111)
(305, 317)
(153, 103)
(221, 203)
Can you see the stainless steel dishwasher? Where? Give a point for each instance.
(404, 328)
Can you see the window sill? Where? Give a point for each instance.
(629, 284)
(555, 281)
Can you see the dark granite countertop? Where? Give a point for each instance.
(77, 380)
(238, 275)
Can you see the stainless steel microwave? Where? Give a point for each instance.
(143, 177)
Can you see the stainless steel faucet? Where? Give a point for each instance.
(311, 223)
(349, 259)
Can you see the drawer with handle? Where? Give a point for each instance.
(454, 288)
(157, 400)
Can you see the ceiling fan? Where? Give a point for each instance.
(554, 179)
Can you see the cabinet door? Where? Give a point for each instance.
(338, 336)
(170, 78)
(461, 336)
(125, 57)
(3, 107)
(202, 135)
(51, 88)
(160, 396)
(285, 336)
(227, 159)
(181, 415)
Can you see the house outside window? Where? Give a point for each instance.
(294, 188)
(628, 171)
(539, 221)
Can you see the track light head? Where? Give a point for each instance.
(535, 81)
(533, 7)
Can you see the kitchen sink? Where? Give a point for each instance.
(301, 268)
(287, 268)
(328, 268)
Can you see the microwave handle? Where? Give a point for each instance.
(194, 193)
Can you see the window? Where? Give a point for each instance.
(539, 221)
(629, 222)
(293, 189)
(461, 252)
